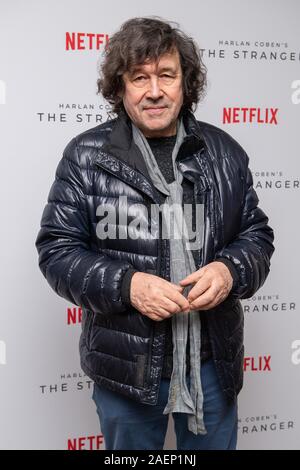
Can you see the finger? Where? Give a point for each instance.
(158, 314)
(199, 288)
(209, 297)
(218, 299)
(152, 315)
(155, 317)
(174, 293)
(177, 287)
(164, 312)
(216, 302)
(171, 288)
(173, 307)
(194, 277)
(170, 306)
(180, 300)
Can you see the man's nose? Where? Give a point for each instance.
(154, 90)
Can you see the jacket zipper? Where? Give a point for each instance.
(158, 258)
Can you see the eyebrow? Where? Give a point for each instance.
(139, 68)
(168, 69)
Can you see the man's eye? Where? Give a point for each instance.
(139, 78)
(166, 78)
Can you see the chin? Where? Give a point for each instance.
(157, 126)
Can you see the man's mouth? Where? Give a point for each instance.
(155, 109)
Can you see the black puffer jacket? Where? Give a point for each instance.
(120, 348)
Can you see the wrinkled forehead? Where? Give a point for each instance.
(167, 61)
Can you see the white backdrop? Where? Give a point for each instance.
(47, 96)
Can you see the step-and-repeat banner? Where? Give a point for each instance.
(49, 58)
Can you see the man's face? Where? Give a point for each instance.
(153, 95)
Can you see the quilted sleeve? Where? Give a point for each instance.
(82, 276)
(250, 252)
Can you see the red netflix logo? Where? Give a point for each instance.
(84, 41)
(86, 443)
(257, 364)
(250, 115)
(74, 315)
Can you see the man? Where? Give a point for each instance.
(162, 321)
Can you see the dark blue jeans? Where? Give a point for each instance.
(128, 425)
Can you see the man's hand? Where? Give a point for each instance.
(213, 283)
(155, 297)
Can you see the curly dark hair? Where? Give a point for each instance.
(148, 38)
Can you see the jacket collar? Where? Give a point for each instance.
(120, 142)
